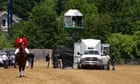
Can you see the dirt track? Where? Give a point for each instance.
(41, 75)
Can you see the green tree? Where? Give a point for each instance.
(60, 6)
(42, 27)
(4, 42)
(3, 5)
(137, 48)
(125, 46)
(22, 8)
(123, 13)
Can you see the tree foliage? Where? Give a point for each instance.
(123, 13)
(3, 5)
(4, 43)
(22, 8)
(125, 46)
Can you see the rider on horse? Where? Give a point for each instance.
(21, 54)
(21, 40)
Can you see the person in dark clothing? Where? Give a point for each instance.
(47, 60)
(31, 60)
(60, 64)
(113, 61)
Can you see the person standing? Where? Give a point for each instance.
(47, 60)
(5, 60)
(108, 62)
(113, 61)
(106, 59)
(60, 64)
(31, 60)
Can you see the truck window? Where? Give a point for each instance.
(91, 52)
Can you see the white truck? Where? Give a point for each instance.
(87, 52)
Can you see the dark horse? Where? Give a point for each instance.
(21, 59)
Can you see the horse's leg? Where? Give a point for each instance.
(15, 65)
(20, 71)
(23, 68)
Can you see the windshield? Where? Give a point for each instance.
(91, 52)
(12, 53)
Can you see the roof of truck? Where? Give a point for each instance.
(91, 42)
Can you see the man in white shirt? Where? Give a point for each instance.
(106, 60)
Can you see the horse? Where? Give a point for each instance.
(21, 59)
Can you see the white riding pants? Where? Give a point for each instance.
(26, 50)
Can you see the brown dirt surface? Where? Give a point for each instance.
(124, 74)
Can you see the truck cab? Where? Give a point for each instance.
(90, 57)
(87, 52)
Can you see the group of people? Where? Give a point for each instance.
(57, 60)
(8, 60)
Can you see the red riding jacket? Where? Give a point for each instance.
(21, 40)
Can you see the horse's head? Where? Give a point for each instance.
(21, 49)
(22, 44)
